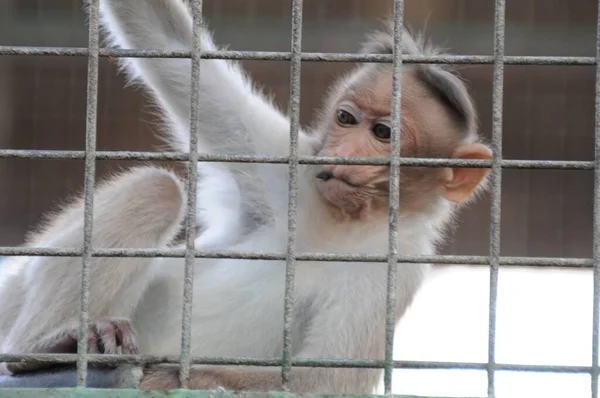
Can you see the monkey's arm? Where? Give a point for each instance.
(142, 208)
(234, 117)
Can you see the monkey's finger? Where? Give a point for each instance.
(106, 336)
(94, 343)
(126, 337)
(130, 346)
(69, 344)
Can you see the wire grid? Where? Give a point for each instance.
(190, 220)
(290, 268)
(497, 97)
(89, 182)
(394, 195)
(296, 56)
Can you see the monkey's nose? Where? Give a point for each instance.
(325, 175)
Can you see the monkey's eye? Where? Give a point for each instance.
(346, 118)
(382, 132)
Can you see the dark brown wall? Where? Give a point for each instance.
(548, 110)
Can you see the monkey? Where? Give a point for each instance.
(238, 305)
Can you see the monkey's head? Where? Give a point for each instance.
(438, 120)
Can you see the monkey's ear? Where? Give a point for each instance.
(459, 183)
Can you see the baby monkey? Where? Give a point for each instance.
(237, 310)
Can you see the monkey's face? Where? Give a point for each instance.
(359, 125)
(356, 131)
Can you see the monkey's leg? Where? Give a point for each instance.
(141, 208)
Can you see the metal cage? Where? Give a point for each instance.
(394, 259)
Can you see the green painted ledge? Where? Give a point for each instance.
(133, 393)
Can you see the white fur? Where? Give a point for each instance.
(339, 308)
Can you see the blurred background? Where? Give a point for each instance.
(548, 114)
(548, 110)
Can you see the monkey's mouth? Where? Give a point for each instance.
(326, 175)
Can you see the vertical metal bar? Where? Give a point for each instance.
(190, 220)
(596, 237)
(89, 182)
(294, 109)
(498, 93)
(394, 195)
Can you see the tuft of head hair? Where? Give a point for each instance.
(441, 79)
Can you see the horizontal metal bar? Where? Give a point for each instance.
(182, 156)
(106, 359)
(305, 56)
(367, 258)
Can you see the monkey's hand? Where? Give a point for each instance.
(105, 336)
